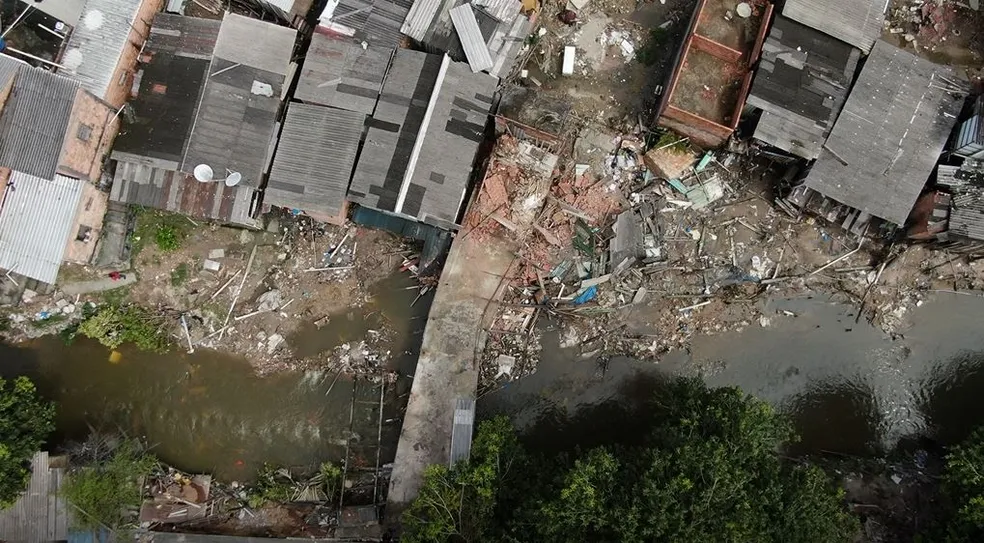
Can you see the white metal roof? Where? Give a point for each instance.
(36, 222)
(471, 38)
(97, 42)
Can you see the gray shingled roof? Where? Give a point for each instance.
(254, 43)
(340, 73)
(427, 178)
(393, 129)
(457, 128)
(34, 119)
(856, 22)
(36, 222)
(801, 83)
(314, 159)
(235, 122)
(234, 126)
(889, 135)
(96, 44)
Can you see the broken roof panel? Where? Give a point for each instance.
(34, 119)
(393, 129)
(314, 159)
(472, 41)
(96, 44)
(340, 73)
(254, 43)
(801, 83)
(36, 222)
(889, 135)
(857, 22)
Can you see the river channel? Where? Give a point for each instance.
(848, 387)
(208, 412)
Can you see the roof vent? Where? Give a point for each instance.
(203, 173)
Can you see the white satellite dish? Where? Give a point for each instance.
(203, 173)
(744, 10)
(233, 179)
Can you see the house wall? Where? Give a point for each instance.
(92, 209)
(119, 87)
(90, 133)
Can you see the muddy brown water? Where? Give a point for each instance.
(848, 387)
(209, 412)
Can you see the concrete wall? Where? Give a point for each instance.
(92, 209)
(119, 86)
(91, 130)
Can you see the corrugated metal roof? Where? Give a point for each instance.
(234, 126)
(471, 38)
(801, 83)
(36, 222)
(8, 67)
(421, 17)
(340, 73)
(456, 130)
(34, 120)
(190, 37)
(314, 160)
(461, 431)
(239, 39)
(66, 11)
(889, 135)
(142, 181)
(40, 513)
(857, 22)
(376, 22)
(394, 128)
(503, 10)
(96, 44)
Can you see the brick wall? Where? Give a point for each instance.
(90, 133)
(119, 86)
(716, 49)
(700, 130)
(92, 209)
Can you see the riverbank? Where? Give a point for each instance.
(284, 298)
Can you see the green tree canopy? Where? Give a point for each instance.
(25, 422)
(709, 471)
(963, 485)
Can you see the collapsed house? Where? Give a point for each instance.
(204, 117)
(885, 143)
(53, 137)
(709, 83)
(964, 215)
(488, 34)
(803, 79)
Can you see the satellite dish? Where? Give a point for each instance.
(233, 179)
(204, 173)
(744, 10)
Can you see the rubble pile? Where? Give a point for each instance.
(931, 25)
(640, 247)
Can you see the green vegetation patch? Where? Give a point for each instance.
(179, 274)
(165, 230)
(25, 423)
(108, 491)
(709, 469)
(114, 325)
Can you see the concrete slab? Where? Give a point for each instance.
(447, 368)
